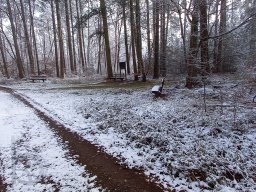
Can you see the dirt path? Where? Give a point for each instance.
(109, 173)
(2, 185)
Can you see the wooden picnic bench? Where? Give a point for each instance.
(157, 89)
(38, 78)
(117, 76)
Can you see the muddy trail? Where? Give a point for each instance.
(2, 185)
(110, 174)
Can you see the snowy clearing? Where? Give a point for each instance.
(31, 158)
(172, 139)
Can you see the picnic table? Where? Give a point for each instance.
(38, 78)
(117, 76)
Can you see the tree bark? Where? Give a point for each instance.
(139, 41)
(205, 67)
(61, 45)
(222, 29)
(163, 39)
(27, 38)
(15, 40)
(148, 36)
(127, 55)
(73, 37)
(156, 39)
(215, 44)
(106, 37)
(55, 40)
(70, 49)
(34, 36)
(133, 37)
(192, 80)
(3, 57)
(99, 71)
(79, 34)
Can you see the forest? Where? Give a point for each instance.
(79, 130)
(156, 38)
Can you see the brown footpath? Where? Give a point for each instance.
(110, 174)
(2, 185)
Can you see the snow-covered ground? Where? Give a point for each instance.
(172, 139)
(31, 158)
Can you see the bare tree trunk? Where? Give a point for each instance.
(215, 46)
(139, 41)
(126, 39)
(81, 52)
(99, 71)
(117, 51)
(183, 23)
(116, 43)
(86, 60)
(16, 46)
(252, 41)
(106, 37)
(34, 36)
(205, 67)
(148, 36)
(2, 49)
(27, 38)
(44, 51)
(88, 63)
(3, 56)
(73, 38)
(55, 40)
(192, 80)
(133, 36)
(163, 39)
(222, 29)
(70, 50)
(61, 45)
(156, 39)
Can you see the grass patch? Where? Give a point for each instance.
(110, 85)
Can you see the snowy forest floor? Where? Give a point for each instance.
(186, 141)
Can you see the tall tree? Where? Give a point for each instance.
(15, 40)
(73, 37)
(3, 56)
(2, 48)
(182, 13)
(148, 34)
(31, 15)
(99, 71)
(163, 42)
(60, 37)
(139, 41)
(133, 37)
(69, 40)
(252, 35)
(27, 39)
(215, 43)
(106, 37)
(156, 38)
(222, 29)
(205, 67)
(79, 34)
(127, 55)
(55, 39)
(192, 80)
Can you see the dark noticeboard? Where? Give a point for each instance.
(122, 65)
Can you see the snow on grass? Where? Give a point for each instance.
(31, 158)
(172, 139)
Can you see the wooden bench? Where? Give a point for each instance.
(157, 89)
(117, 76)
(38, 78)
